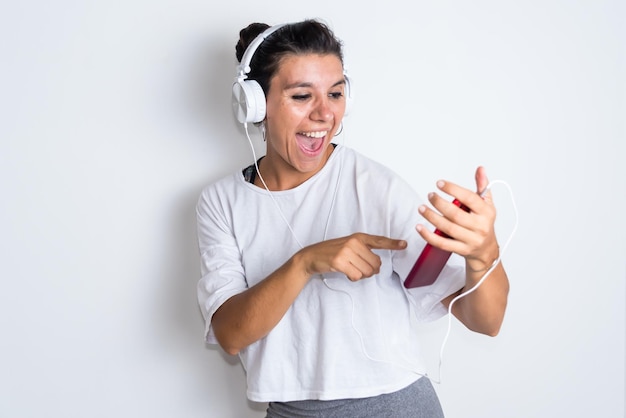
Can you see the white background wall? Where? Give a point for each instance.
(115, 114)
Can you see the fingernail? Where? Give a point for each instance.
(441, 183)
(419, 227)
(422, 208)
(430, 195)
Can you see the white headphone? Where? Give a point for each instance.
(248, 99)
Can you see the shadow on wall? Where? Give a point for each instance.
(209, 106)
(207, 97)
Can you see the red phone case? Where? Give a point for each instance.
(430, 262)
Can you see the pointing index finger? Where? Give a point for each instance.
(384, 243)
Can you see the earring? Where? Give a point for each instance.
(262, 128)
(340, 129)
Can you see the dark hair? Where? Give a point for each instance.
(306, 37)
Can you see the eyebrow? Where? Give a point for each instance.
(305, 84)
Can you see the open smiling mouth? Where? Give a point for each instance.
(311, 142)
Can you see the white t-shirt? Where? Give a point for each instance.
(339, 339)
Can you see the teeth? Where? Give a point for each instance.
(319, 134)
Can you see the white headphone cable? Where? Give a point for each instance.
(449, 328)
(256, 165)
(447, 335)
(324, 280)
(487, 273)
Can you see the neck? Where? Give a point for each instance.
(283, 176)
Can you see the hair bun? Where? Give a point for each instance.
(246, 36)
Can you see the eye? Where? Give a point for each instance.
(300, 97)
(336, 95)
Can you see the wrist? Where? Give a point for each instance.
(481, 265)
(301, 265)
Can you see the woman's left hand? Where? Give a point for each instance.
(471, 234)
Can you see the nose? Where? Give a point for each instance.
(322, 111)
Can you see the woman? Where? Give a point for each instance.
(303, 256)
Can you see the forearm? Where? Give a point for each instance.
(251, 315)
(482, 310)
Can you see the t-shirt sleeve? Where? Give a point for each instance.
(222, 274)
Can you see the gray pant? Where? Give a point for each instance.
(419, 400)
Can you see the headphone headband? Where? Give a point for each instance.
(244, 67)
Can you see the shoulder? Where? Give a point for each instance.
(227, 182)
(364, 161)
(220, 191)
(372, 171)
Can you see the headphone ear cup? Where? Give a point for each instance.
(348, 93)
(248, 101)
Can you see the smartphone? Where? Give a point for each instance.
(430, 262)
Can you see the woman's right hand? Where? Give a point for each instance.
(351, 255)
